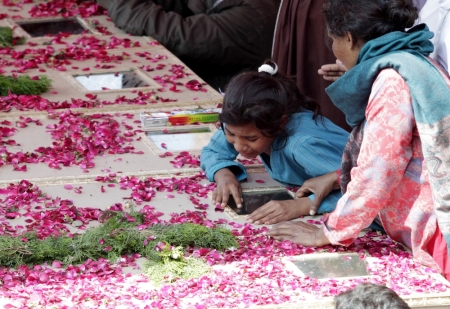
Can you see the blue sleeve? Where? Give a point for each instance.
(317, 156)
(219, 154)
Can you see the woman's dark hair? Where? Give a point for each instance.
(368, 19)
(263, 99)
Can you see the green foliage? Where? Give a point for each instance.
(174, 269)
(119, 235)
(27, 248)
(23, 85)
(190, 234)
(7, 39)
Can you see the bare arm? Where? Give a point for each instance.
(278, 211)
(227, 185)
(321, 186)
(300, 233)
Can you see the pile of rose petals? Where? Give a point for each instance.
(251, 274)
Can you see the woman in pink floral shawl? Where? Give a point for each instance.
(396, 163)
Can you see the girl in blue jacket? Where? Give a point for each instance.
(264, 114)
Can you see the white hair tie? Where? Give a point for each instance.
(268, 69)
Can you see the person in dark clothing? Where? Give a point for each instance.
(215, 38)
(300, 49)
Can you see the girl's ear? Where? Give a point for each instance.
(283, 121)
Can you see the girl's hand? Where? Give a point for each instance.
(321, 186)
(332, 71)
(227, 185)
(277, 211)
(299, 232)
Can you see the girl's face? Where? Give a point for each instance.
(248, 140)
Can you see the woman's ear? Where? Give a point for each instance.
(351, 42)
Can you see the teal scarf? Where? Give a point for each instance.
(406, 53)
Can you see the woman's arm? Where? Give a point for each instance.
(300, 233)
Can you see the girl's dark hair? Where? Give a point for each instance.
(263, 99)
(368, 19)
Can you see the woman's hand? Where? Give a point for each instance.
(277, 211)
(321, 186)
(227, 184)
(299, 232)
(332, 71)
